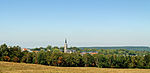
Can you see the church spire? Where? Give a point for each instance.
(65, 46)
(65, 40)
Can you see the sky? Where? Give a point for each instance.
(34, 23)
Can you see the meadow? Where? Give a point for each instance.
(11, 67)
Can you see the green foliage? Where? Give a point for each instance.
(41, 57)
(49, 47)
(88, 60)
(147, 60)
(116, 58)
(27, 57)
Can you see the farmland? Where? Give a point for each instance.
(11, 67)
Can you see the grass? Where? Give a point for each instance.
(10, 67)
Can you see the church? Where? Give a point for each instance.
(65, 48)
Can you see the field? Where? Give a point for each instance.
(10, 67)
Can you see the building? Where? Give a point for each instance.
(25, 49)
(65, 46)
(67, 50)
(92, 53)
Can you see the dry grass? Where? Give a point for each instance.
(9, 67)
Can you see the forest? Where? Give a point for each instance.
(110, 58)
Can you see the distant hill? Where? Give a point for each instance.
(136, 48)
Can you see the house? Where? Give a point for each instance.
(25, 49)
(92, 53)
(35, 51)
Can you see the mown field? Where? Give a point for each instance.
(10, 67)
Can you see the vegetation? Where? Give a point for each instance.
(116, 51)
(10, 67)
(57, 58)
(136, 48)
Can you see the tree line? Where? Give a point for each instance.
(116, 51)
(57, 58)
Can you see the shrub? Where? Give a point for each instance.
(15, 59)
(6, 58)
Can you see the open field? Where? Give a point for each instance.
(9, 67)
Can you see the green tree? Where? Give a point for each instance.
(88, 60)
(49, 47)
(147, 60)
(28, 57)
(41, 57)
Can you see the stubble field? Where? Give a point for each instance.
(10, 67)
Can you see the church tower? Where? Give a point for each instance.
(65, 46)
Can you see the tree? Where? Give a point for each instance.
(28, 57)
(41, 57)
(15, 59)
(114, 58)
(54, 58)
(73, 60)
(88, 60)
(49, 47)
(147, 60)
(4, 50)
(6, 58)
(101, 61)
(139, 62)
(48, 57)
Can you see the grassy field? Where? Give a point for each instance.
(9, 67)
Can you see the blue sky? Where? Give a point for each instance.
(34, 23)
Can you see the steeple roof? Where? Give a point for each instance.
(65, 40)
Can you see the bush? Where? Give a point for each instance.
(6, 58)
(15, 59)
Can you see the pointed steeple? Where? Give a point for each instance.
(66, 41)
(65, 46)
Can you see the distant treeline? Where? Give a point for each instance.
(57, 58)
(116, 52)
(135, 48)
